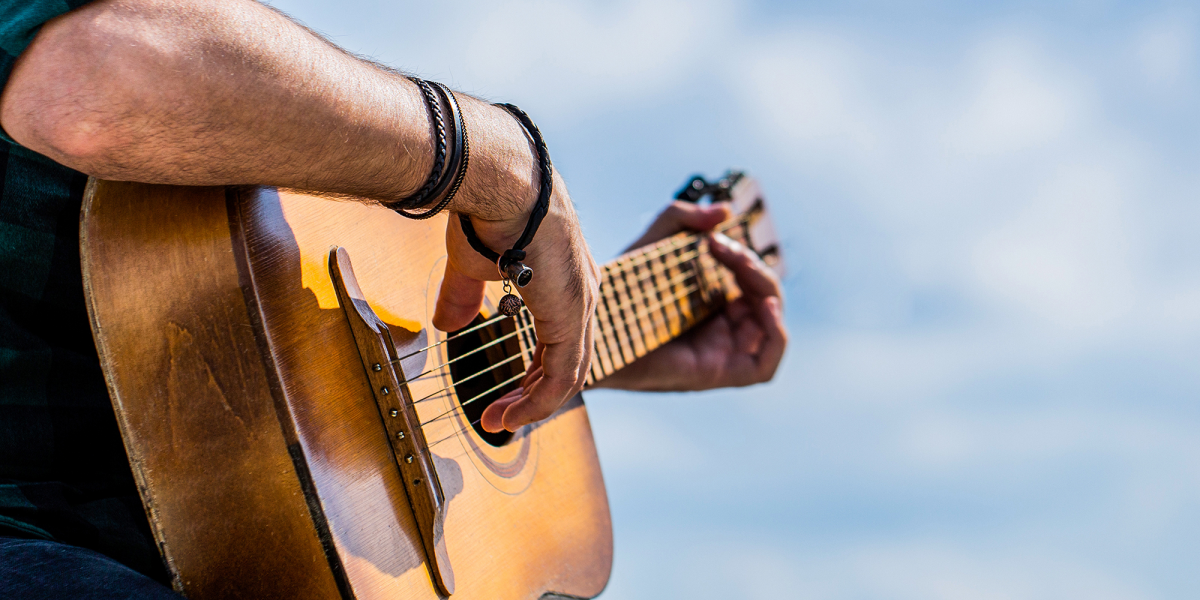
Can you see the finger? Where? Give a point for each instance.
(539, 402)
(680, 216)
(531, 377)
(535, 362)
(754, 277)
(559, 381)
(492, 417)
(774, 337)
(458, 300)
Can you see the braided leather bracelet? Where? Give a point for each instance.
(445, 174)
(510, 264)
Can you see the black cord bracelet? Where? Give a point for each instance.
(449, 174)
(511, 265)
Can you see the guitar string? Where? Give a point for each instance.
(660, 288)
(488, 370)
(684, 240)
(475, 397)
(459, 334)
(637, 259)
(464, 380)
(679, 262)
(458, 358)
(472, 424)
(687, 293)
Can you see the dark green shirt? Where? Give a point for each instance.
(63, 471)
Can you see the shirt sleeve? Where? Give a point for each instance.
(20, 20)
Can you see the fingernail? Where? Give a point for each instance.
(775, 306)
(727, 242)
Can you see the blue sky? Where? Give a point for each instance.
(989, 213)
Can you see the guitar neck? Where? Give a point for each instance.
(654, 294)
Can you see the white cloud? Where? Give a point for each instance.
(1165, 49)
(574, 57)
(763, 567)
(1067, 257)
(1017, 102)
(804, 90)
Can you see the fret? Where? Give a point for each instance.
(608, 331)
(638, 303)
(654, 300)
(684, 302)
(600, 341)
(705, 276)
(668, 309)
(611, 296)
(627, 316)
(595, 372)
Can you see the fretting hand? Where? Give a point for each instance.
(740, 346)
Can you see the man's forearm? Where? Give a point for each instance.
(231, 92)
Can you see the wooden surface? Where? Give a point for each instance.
(397, 411)
(251, 425)
(192, 395)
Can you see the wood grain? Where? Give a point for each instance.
(192, 395)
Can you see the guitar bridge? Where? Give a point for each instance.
(382, 365)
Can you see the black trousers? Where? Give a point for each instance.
(37, 570)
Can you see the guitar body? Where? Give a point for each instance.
(262, 453)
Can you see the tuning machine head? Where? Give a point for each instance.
(697, 188)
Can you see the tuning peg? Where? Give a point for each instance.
(695, 189)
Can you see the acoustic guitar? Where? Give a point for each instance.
(298, 429)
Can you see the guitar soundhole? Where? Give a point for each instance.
(475, 372)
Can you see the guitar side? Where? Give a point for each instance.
(250, 423)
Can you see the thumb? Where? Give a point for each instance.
(695, 217)
(684, 215)
(458, 300)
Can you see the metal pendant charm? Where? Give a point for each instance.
(510, 304)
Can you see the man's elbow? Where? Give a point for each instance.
(82, 144)
(52, 103)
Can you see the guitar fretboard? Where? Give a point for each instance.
(654, 294)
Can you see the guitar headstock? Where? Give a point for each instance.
(746, 199)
